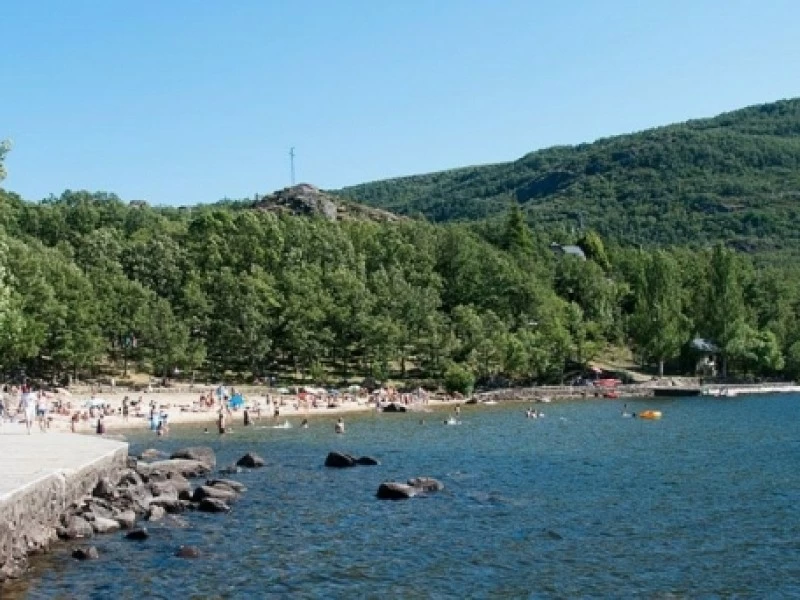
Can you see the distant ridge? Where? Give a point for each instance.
(734, 177)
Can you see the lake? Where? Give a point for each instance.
(581, 503)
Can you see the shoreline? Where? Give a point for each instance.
(184, 407)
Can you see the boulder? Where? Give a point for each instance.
(136, 498)
(213, 505)
(394, 408)
(130, 477)
(104, 488)
(203, 454)
(76, 527)
(236, 486)
(175, 484)
(250, 460)
(367, 461)
(209, 491)
(169, 502)
(156, 513)
(393, 490)
(86, 553)
(426, 484)
(138, 534)
(92, 511)
(187, 552)
(104, 525)
(161, 469)
(339, 460)
(126, 519)
(152, 454)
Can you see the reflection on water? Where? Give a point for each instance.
(705, 502)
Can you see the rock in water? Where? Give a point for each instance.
(76, 527)
(426, 484)
(156, 513)
(367, 461)
(104, 525)
(183, 466)
(208, 491)
(236, 486)
(213, 505)
(393, 490)
(126, 519)
(202, 453)
(86, 553)
(152, 454)
(339, 460)
(250, 461)
(138, 534)
(187, 552)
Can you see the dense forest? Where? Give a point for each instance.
(92, 285)
(734, 178)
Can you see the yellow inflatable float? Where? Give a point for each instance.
(650, 414)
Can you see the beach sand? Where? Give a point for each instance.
(185, 407)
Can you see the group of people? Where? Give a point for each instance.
(31, 408)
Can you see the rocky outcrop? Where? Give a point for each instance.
(307, 200)
(208, 491)
(367, 461)
(394, 408)
(251, 460)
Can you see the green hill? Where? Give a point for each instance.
(734, 177)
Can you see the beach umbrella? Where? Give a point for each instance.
(237, 401)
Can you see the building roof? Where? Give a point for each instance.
(573, 250)
(703, 345)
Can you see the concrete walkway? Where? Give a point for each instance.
(26, 459)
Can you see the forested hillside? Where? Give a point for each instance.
(90, 284)
(733, 178)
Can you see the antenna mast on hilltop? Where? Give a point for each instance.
(291, 161)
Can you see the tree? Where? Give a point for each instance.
(518, 239)
(5, 147)
(658, 325)
(459, 378)
(725, 309)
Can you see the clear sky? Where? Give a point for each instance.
(181, 102)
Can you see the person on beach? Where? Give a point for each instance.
(221, 422)
(246, 417)
(125, 409)
(339, 427)
(41, 411)
(101, 426)
(27, 405)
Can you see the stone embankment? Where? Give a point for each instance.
(107, 492)
(43, 476)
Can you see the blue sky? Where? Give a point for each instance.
(181, 102)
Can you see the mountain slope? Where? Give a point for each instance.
(734, 177)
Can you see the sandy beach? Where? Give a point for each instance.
(201, 405)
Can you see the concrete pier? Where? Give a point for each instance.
(41, 475)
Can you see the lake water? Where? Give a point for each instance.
(582, 503)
